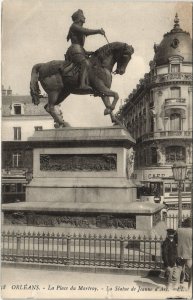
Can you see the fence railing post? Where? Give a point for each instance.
(68, 249)
(121, 252)
(18, 249)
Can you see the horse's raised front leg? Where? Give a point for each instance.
(106, 92)
(108, 110)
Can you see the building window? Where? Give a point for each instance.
(175, 92)
(175, 153)
(12, 188)
(141, 160)
(144, 126)
(152, 124)
(188, 187)
(7, 188)
(17, 109)
(154, 155)
(17, 133)
(151, 103)
(156, 189)
(174, 187)
(38, 128)
(16, 160)
(175, 122)
(145, 157)
(175, 68)
(167, 187)
(19, 187)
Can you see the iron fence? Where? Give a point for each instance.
(85, 250)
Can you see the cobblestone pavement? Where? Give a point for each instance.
(20, 283)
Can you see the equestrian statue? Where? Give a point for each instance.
(82, 72)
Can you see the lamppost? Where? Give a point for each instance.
(189, 175)
(179, 173)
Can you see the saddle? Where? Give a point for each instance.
(68, 69)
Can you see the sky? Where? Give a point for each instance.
(34, 31)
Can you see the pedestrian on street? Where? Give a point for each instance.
(184, 247)
(169, 257)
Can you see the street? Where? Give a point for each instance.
(42, 284)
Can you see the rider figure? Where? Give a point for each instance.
(76, 52)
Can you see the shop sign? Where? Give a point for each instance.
(157, 174)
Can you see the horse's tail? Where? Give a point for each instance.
(34, 86)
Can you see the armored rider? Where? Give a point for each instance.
(76, 52)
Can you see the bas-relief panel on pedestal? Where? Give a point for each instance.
(78, 162)
(71, 220)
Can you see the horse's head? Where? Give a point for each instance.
(112, 53)
(123, 58)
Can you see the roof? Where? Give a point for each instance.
(29, 108)
(175, 43)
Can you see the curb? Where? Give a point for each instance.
(84, 269)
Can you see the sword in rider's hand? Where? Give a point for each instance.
(105, 35)
(106, 38)
(108, 43)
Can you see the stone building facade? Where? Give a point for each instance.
(158, 114)
(20, 118)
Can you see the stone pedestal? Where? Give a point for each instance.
(80, 180)
(85, 165)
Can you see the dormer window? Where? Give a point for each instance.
(175, 64)
(17, 109)
(175, 68)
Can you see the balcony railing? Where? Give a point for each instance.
(175, 101)
(168, 134)
(172, 77)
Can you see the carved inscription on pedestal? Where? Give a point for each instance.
(78, 162)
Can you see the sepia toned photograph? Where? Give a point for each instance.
(96, 149)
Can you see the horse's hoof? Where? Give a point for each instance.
(65, 124)
(36, 102)
(114, 119)
(56, 125)
(107, 111)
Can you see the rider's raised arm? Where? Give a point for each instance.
(85, 31)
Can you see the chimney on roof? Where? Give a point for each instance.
(3, 91)
(9, 91)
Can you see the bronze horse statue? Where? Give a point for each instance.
(59, 79)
